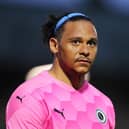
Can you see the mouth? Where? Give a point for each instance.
(84, 61)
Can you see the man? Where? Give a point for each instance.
(61, 98)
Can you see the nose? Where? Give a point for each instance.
(84, 50)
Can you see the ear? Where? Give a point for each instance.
(53, 44)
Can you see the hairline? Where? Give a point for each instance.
(60, 31)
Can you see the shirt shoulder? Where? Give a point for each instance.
(29, 113)
(90, 90)
(30, 85)
(99, 99)
(22, 92)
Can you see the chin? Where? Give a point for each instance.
(82, 71)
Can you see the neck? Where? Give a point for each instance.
(70, 78)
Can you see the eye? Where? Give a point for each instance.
(76, 42)
(92, 43)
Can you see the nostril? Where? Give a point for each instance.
(84, 50)
(85, 53)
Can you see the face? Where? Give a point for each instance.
(78, 46)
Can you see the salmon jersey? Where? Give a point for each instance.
(47, 103)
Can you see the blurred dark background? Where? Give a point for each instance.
(21, 47)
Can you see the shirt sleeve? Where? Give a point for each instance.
(31, 114)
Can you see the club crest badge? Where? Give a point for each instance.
(101, 116)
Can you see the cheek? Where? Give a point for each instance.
(68, 55)
(68, 52)
(71, 52)
(94, 52)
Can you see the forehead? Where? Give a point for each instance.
(79, 28)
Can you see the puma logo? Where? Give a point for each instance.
(60, 112)
(19, 98)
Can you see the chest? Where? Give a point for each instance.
(75, 112)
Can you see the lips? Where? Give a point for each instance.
(83, 60)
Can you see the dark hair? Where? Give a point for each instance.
(49, 28)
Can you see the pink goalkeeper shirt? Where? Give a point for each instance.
(47, 103)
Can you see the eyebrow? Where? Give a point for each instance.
(75, 38)
(93, 39)
(79, 38)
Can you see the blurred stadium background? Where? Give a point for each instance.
(21, 47)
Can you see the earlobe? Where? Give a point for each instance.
(53, 44)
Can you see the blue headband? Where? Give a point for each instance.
(66, 18)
